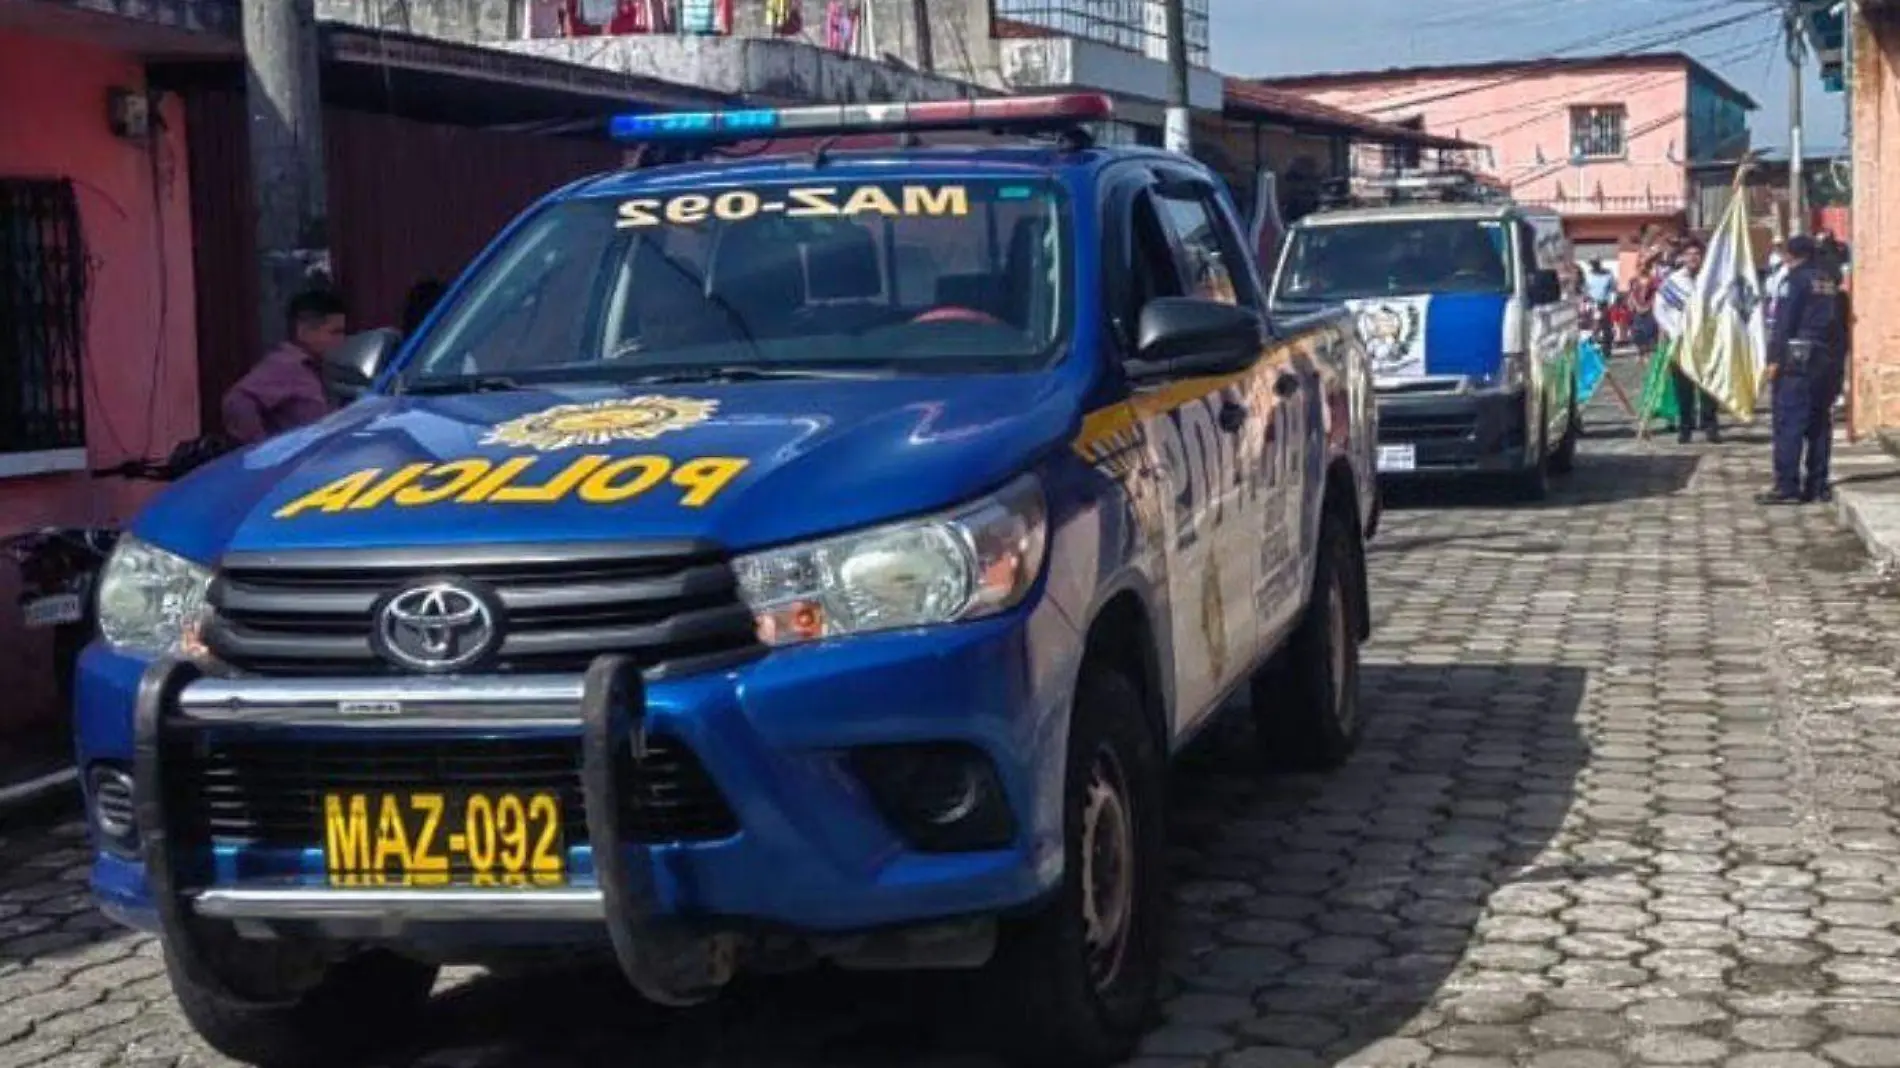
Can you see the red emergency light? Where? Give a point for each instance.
(1020, 114)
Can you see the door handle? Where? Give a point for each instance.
(1233, 416)
(1286, 385)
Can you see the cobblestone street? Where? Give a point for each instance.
(1628, 797)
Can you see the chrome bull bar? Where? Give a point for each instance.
(664, 961)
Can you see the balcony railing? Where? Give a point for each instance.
(1643, 204)
(1139, 26)
(217, 17)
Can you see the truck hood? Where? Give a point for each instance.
(745, 465)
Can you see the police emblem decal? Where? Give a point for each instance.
(1391, 334)
(568, 426)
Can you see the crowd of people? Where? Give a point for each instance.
(1805, 283)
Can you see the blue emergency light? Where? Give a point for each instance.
(1015, 114)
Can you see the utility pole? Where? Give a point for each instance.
(1180, 136)
(288, 190)
(926, 47)
(1797, 150)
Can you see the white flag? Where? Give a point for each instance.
(1725, 339)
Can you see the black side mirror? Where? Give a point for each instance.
(1545, 288)
(352, 367)
(1183, 337)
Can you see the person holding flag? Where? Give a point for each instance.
(1722, 340)
(1694, 406)
(1806, 365)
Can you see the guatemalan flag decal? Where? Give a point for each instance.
(1393, 331)
(1448, 334)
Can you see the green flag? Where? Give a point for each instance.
(1659, 388)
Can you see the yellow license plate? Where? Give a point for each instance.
(472, 837)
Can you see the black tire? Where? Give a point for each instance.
(1564, 460)
(1533, 483)
(360, 1006)
(1055, 1000)
(1306, 699)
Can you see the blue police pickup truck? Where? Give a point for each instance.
(753, 562)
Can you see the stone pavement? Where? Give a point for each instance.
(1629, 797)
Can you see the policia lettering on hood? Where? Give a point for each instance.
(595, 478)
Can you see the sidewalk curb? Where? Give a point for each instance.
(1852, 508)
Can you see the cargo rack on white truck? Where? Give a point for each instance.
(1416, 187)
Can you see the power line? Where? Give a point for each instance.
(1635, 83)
(1536, 67)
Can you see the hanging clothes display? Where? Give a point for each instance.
(786, 17)
(595, 15)
(696, 16)
(841, 26)
(631, 16)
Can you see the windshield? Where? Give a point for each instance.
(792, 279)
(1387, 258)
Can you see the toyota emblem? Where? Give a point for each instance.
(437, 627)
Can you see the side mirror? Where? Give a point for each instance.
(351, 368)
(1545, 288)
(1183, 337)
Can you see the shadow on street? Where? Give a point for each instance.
(1314, 912)
(1600, 479)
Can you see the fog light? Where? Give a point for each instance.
(941, 797)
(113, 816)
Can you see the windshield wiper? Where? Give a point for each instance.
(687, 374)
(465, 384)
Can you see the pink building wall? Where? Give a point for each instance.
(140, 357)
(1525, 123)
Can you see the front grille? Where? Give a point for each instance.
(1407, 427)
(271, 793)
(312, 614)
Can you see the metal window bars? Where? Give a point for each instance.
(1139, 26)
(43, 275)
(1597, 132)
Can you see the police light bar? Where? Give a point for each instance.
(1021, 113)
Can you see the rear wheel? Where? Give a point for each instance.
(1564, 460)
(357, 1006)
(1074, 983)
(1306, 699)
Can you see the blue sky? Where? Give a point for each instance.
(1267, 37)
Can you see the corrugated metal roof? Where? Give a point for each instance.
(1517, 69)
(1300, 110)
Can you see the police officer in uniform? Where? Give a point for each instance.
(1806, 366)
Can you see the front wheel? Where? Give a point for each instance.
(1074, 983)
(1533, 483)
(356, 1005)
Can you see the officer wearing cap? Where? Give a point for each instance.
(1805, 364)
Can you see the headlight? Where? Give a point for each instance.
(974, 562)
(1513, 372)
(151, 601)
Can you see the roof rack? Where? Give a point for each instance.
(669, 136)
(1415, 187)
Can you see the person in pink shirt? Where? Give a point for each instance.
(285, 390)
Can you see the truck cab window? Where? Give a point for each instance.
(1154, 272)
(1214, 260)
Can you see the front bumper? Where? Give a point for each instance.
(812, 853)
(1457, 432)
